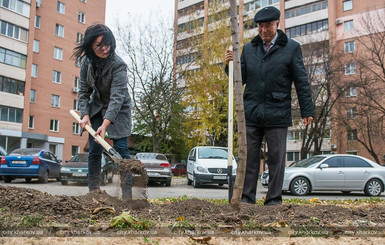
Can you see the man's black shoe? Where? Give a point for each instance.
(273, 203)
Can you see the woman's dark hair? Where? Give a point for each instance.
(92, 32)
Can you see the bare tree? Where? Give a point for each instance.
(148, 47)
(241, 122)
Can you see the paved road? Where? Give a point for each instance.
(178, 188)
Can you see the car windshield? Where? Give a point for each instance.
(151, 156)
(308, 162)
(25, 152)
(214, 153)
(80, 158)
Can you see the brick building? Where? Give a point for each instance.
(38, 78)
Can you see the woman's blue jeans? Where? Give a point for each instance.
(95, 156)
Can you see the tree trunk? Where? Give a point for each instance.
(242, 148)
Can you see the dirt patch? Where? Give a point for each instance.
(26, 209)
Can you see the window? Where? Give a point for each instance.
(307, 29)
(351, 113)
(293, 135)
(350, 68)
(37, 21)
(76, 82)
(76, 105)
(56, 76)
(74, 150)
(58, 53)
(355, 162)
(348, 25)
(17, 6)
(31, 122)
(306, 9)
(55, 100)
(352, 134)
(54, 125)
(351, 92)
(61, 8)
(79, 37)
(348, 5)
(76, 128)
(34, 70)
(12, 58)
(349, 47)
(10, 85)
(32, 97)
(36, 46)
(293, 156)
(335, 162)
(81, 17)
(59, 30)
(10, 114)
(13, 31)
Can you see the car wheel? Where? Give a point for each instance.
(373, 187)
(195, 182)
(64, 182)
(7, 179)
(300, 186)
(44, 178)
(28, 180)
(189, 182)
(58, 178)
(220, 184)
(104, 179)
(167, 183)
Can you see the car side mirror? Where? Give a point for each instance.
(192, 158)
(59, 160)
(323, 165)
(66, 161)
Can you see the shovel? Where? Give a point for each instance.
(126, 166)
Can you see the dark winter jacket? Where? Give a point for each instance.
(268, 78)
(106, 91)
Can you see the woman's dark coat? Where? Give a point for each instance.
(110, 95)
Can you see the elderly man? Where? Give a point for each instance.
(270, 63)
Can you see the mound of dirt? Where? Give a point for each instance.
(187, 214)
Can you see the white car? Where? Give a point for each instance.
(336, 172)
(208, 164)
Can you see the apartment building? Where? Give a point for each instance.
(308, 22)
(38, 77)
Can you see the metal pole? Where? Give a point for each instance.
(230, 130)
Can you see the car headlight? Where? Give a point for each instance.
(202, 169)
(65, 169)
(234, 170)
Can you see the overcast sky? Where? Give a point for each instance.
(141, 8)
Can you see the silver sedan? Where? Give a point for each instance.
(336, 172)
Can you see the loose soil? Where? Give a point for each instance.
(23, 210)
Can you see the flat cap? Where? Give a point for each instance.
(267, 14)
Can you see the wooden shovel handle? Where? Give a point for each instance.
(90, 130)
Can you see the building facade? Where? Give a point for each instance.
(39, 79)
(309, 22)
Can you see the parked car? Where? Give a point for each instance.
(30, 163)
(3, 153)
(179, 169)
(208, 164)
(157, 166)
(76, 169)
(336, 172)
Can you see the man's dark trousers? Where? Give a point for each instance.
(276, 146)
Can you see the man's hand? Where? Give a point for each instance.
(102, 129)
(85, 120)
(228, 56)
(307, 120)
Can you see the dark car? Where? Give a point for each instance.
(30, 163)
(76, 169)
(179, 169)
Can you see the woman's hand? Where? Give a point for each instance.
(102, 129)
(85, 121)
